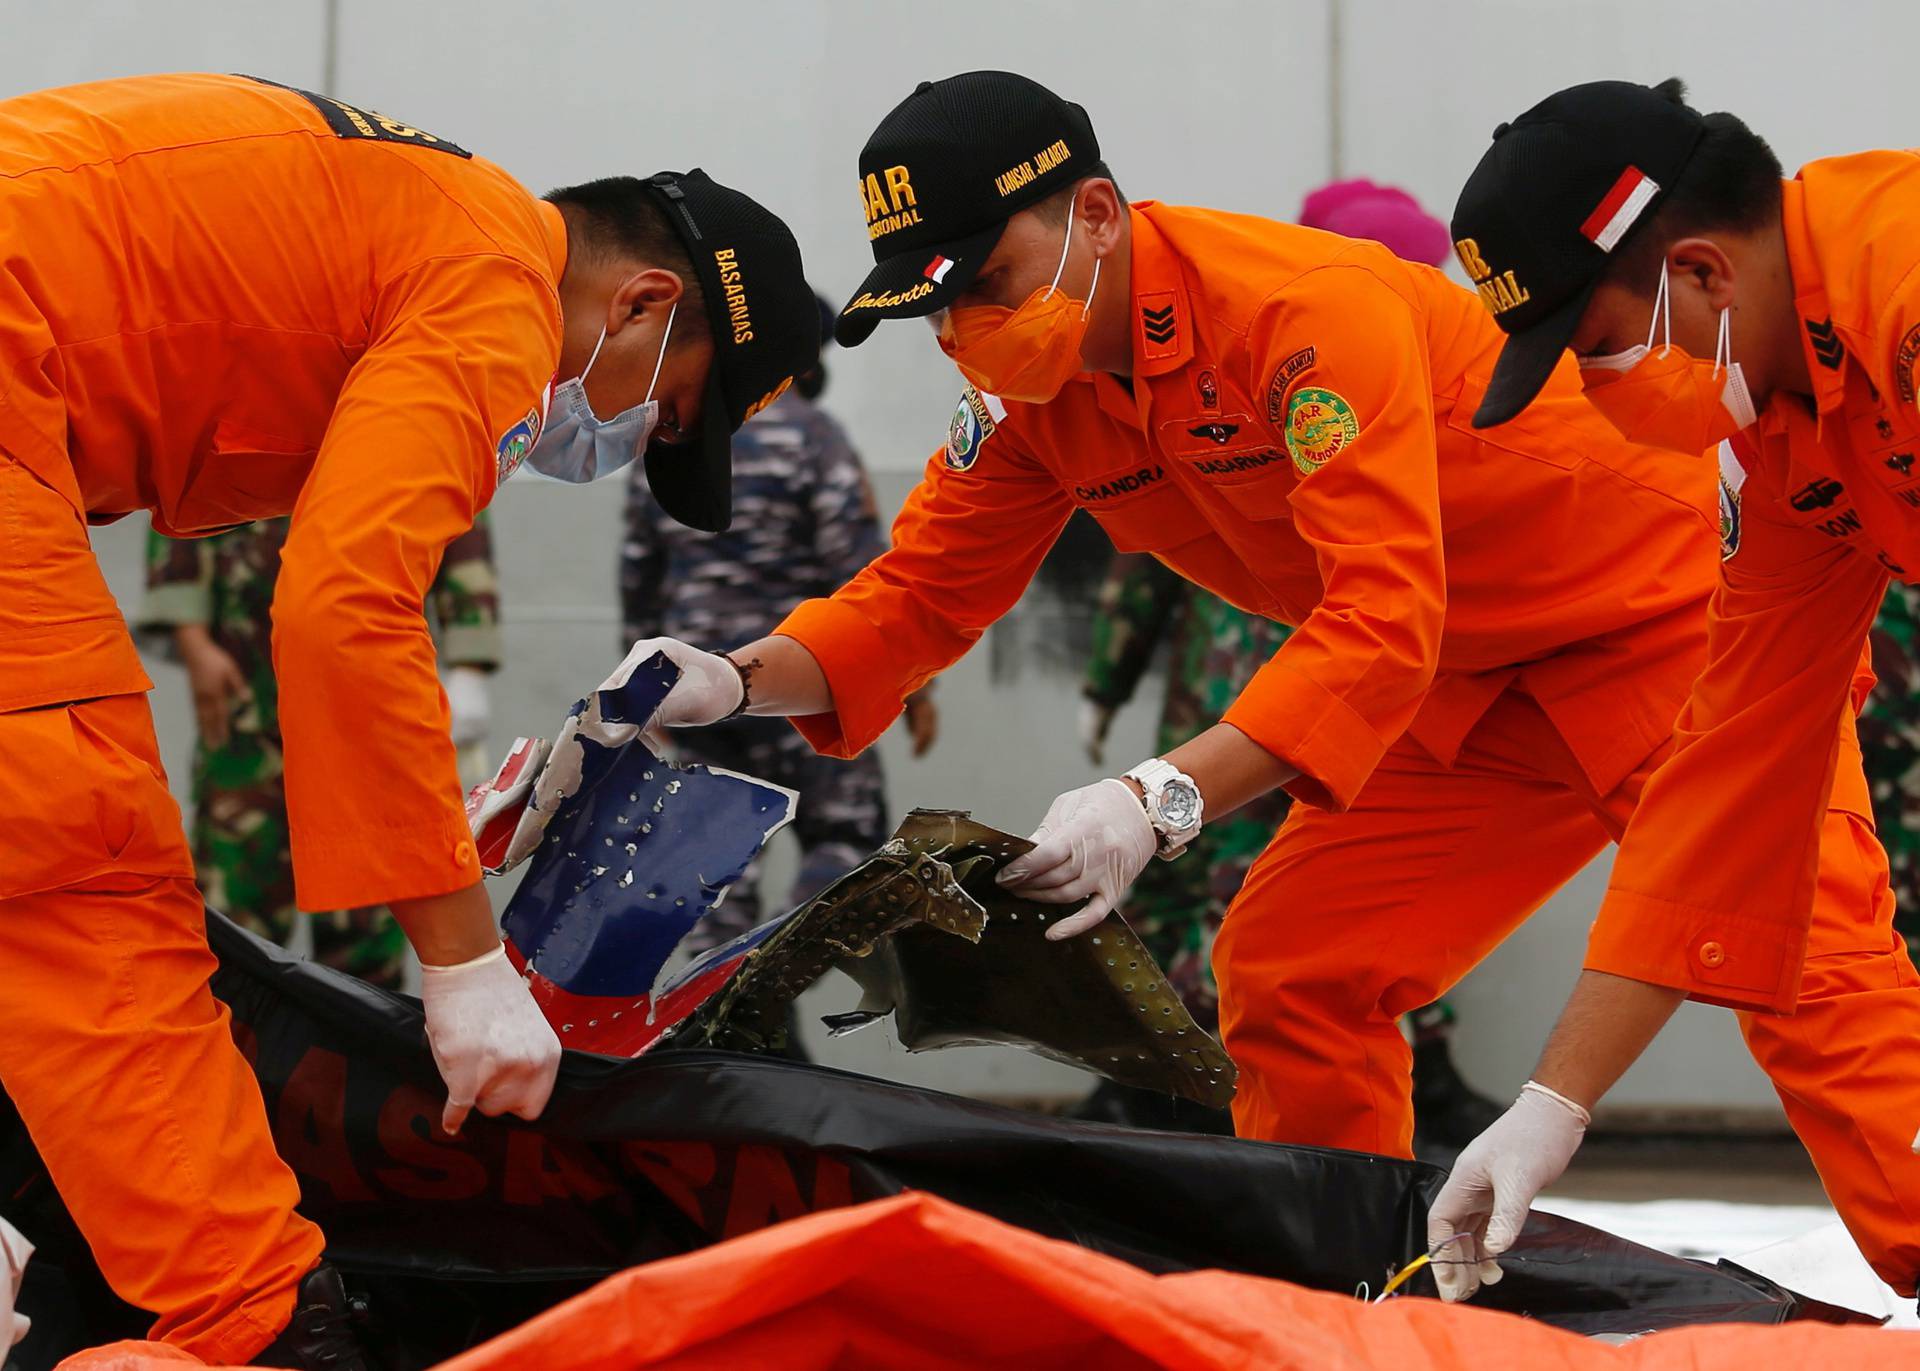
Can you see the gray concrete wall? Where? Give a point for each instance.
(1235, 103)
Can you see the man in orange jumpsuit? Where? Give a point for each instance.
(1496, 630)
(222, 300)
(1616, 222)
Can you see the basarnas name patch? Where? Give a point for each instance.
(1235, 464)
(515, 444)
(974, 420)
(1319, 424)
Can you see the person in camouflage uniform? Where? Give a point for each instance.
(1890, 747)
(1176, 907)
(213, 598)
(803, 524)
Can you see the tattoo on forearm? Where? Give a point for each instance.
(746, 670)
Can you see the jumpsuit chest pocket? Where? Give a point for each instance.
(243, 476)
(1140, 505)
(1233, 457)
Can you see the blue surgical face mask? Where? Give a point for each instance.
(577, 445)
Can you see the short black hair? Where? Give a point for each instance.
(617, 219)
(1053, 209)
(1731, 183)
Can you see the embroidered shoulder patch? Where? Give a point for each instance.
(1733, 475)
(973, 423)
(515, 444)
(350, 121)
(1319, 424)
(1282, 375)
(1903, 360)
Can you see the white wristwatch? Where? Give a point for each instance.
(1173, 802)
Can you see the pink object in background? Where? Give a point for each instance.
(1359, 208)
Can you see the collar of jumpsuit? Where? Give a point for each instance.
(1843, 458)
(1811, 303)
(1161, 333)
(1160, 327)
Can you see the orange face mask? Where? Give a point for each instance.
(1668, 399)
(1027, 353)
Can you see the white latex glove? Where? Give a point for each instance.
(14, 1251)
(468, 702)
(1095, 841)
(708, 690)
(1095, 720)
(1493, 1185)
(494, 1047)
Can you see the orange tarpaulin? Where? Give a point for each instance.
(915, 1283)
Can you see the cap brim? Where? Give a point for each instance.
(694, 481)
(901, 273)
(1528, 359)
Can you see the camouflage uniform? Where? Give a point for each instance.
(239, 827)
(1176, 907)
(803, 524)
(1890, 746)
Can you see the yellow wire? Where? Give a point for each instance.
(1406, 1273)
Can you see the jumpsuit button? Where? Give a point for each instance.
(1712, 954)
(463, 852)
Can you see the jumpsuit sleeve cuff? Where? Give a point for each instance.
(471, 645)
(867, 691)
(1716, 957)
(347, 864)
(1312, 730)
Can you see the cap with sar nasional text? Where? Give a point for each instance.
(941, 176)
(1559, 190)
(766, 330)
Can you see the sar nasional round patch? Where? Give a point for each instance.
(1319, 424)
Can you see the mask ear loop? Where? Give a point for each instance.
(1087, 308)
(1058, 271)
(661, 361)
(1065, 247)
(1662, 311)
(1723, 346)
(593, 356)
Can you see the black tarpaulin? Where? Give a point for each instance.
(638, 1159)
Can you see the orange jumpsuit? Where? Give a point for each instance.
(222, 300)
(1496, 632)
(1826, 514)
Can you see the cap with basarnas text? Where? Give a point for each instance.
(1560, 189)
(942, 175)
(766, 330)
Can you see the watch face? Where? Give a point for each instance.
(1179, 805)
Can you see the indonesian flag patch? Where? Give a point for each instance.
(1618, 209)
(938, 268)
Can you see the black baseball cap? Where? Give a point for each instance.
(1560, 189)
(942, 175)
(766, 330)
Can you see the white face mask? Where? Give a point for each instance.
(577, 445)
